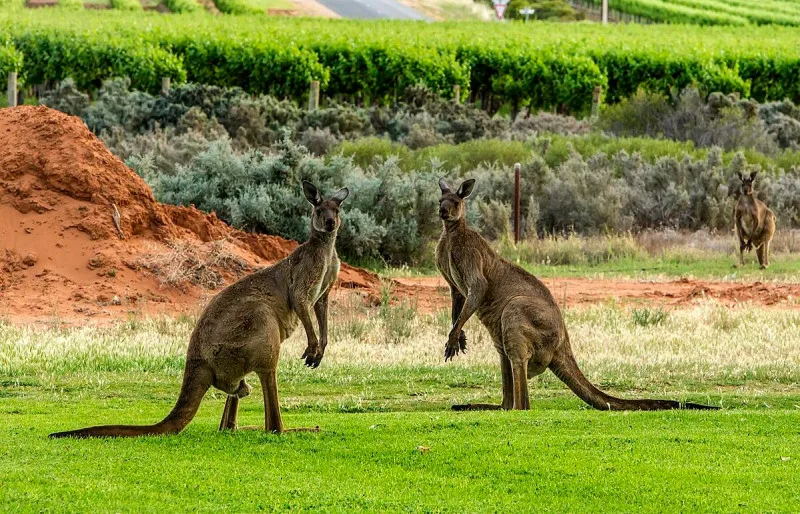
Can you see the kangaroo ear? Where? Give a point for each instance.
(466, 188)
(443, 186)
(753, 175)
(741, 177)
(311, 193)
(340, 195)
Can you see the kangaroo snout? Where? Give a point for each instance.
(330, 224)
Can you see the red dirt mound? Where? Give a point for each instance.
(63, 255)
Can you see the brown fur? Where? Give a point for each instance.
(755, 223)
(242, 328)
(519, 312)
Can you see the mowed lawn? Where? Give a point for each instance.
(389, 441)
(557, 457)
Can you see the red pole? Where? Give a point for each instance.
(517, 167)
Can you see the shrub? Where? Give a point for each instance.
(126, 5)
(238, 7)
(66, 98)
(70, 4)
(117, 106)
(718, 120)
(183, 6)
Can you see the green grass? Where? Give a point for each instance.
(558, 458)
(273, 4)
(785, 268)
(378, 399)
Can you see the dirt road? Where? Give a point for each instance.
(431, 293)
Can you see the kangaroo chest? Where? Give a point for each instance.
(749, 223)
(328, 273)
(444, 261)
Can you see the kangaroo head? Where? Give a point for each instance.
(451, 205)
(325, 217)
(747, 182)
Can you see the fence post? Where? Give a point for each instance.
(165, 84)
(604, 13)
(457, 93)
(12, 89)
(313, 96)
(517, 168)
(596, 93)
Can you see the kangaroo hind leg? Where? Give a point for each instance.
(230, 415)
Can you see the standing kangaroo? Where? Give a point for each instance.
(242, 328)
(755, 223)
(519, 312)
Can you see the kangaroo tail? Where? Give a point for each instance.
(196, 382)
(566, 369)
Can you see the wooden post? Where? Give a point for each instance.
(313, 96)
(457, 93)
(596, 93)
(165, 83)
(12, 89)
(604, 12)
(517, 168)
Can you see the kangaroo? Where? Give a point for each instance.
(242, 328)
(755, 223)
(519, 312)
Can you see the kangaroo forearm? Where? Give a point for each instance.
(457, 304)
(471, 305)
(321, 311)
(305, 318)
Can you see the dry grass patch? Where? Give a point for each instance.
(708, 343)
(202, 264)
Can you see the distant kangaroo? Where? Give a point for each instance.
(755, 223)
(519, 312)
(242, 328)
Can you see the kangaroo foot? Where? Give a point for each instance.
(477, 406)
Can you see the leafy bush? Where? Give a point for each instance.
(74, 5)
(11, 59)
(391, 213)
(238, 7)
(183, 6)
(535, 65)
(718, 120)
(66, 98)
(126, 5)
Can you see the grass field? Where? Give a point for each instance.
(648, 255)
(389, 441)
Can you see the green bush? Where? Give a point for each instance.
(183, 6)
(238, 7)
(11, 59)
(126, 5)
(538, 65)
(9, 5)
(74, 5)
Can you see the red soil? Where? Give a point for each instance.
(432, 292)
(61, 256)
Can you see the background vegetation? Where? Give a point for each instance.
(648, 163)
(538, 65)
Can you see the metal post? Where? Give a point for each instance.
(604, 13)
(596, 93)
(12, 89)
(457, 93)
(517, 168)
(165, 85)
(313, 96)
